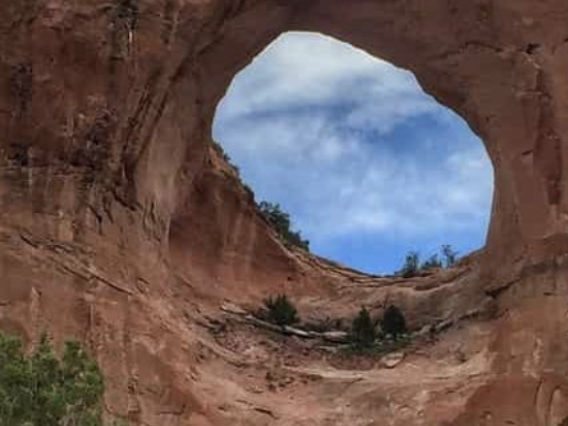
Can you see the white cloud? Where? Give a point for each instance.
(316, 125)
(312, 70)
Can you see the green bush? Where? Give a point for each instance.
(42, 390)
(281, 223)
(433, 262)
(450, 255)
(411, 265)
(281, 311)
(393, 323)
(363, 330)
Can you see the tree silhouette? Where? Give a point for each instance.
(363, 329)
(393, 322)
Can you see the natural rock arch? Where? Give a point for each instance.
(154, 88)
(495, 64)
(106, 180)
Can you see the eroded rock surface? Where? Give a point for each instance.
(119, 224)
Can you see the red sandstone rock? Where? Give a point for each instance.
(119, 225)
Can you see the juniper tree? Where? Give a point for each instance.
(44, 390)
(393, 322)
(281, 310)
(363, 329)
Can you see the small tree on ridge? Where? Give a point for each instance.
(411, 265)
(450, 255)
(280, 221)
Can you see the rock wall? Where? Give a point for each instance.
(119, 226)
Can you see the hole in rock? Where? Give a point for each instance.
(368, 165)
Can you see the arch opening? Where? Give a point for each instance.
(368, 165)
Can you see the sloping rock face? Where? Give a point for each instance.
(120, 226)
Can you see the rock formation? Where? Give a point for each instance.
(119, 224)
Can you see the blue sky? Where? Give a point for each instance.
(367, 164)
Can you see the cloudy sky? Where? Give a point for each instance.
(367, 164)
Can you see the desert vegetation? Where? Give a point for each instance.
(278, 219)
(365, 334)
(363, 330)
(381, 335)
(449, 255)
(393, 322)
(282, 224)
(41, 389)
(413, 266)
(280, 310)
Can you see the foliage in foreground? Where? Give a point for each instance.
(41, 389)
(281, 311)
(280, 221)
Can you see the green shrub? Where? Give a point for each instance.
(393, 323)
(43, 390)
(411, 265)
(281, 311)
(450, 255)
(280, 221)
(363, 330)
(433, 262)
